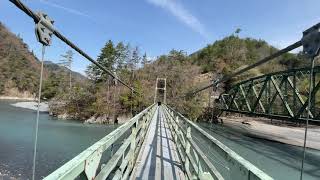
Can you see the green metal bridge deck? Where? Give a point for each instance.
(158, 156)
(158, 143)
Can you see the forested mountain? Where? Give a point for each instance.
(184, 73)
(102, 96)
(19, 68)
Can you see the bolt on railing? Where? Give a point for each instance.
(122, 161)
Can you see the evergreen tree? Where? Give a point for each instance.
(145, 59)
(135, 57)
(107, 59)
(122, 53)
(129, 64)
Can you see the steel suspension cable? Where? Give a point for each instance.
(36, 19)
(38, 114)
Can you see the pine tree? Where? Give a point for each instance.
(107, 59)
(128, 60)
(122, 53)
(135, 57)
(145, 59)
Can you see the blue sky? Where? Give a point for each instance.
(157, 26)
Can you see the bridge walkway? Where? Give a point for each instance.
(158, 158)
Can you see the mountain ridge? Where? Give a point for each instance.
(20, 68)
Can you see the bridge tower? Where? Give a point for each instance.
(160, 91)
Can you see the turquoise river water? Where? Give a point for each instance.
(61, 140)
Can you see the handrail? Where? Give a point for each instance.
(191, 153)
(87, 162)
(240, 168)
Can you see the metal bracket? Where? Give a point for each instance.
(311, 41)
(44, 29)
(92, 163)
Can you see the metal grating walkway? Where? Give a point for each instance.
(158, 158)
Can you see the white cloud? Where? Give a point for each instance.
(69, 10)
(180, 12)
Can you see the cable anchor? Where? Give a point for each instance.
(311, 41)
(44, 29)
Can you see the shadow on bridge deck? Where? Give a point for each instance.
(158, 158)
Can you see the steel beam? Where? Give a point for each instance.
(259, 95)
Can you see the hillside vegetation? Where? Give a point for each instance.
(183, 72)
(20, 69)
(104, 100)
(18, 66)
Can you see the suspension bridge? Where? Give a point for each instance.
(161, 143)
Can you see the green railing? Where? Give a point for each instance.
(86, 164)
(90, 164)
(280, 95)
(197, 164)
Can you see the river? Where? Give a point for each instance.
(58, 141)
(280, 161)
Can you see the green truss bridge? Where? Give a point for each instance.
(281, 95)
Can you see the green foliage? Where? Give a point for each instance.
(232, 53)
(144, 59)
(122, 53)
(135, 59)
(133, 100)
(107, 59)
(51, 86)
(77, 103)
(66, 59)
(116, 59)
(20, 69)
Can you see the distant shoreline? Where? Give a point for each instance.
(16, 98)
(32, 105)
(26, 103)
(261, 128)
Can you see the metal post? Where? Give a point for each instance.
(308, 116)
(161, 88)
(269, 97)
(188, 146)
(131, 103)
(285, 92)
(155, 92)
(313, 103)
(165, 91)
(294, 89)
(133, 144)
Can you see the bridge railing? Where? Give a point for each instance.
(195, 159)
(119, 166)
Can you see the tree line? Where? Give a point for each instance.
(101, 94)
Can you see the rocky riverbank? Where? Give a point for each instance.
(58, 109)
(284, 133)
(105, 119)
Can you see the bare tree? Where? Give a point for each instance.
(66, 62)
